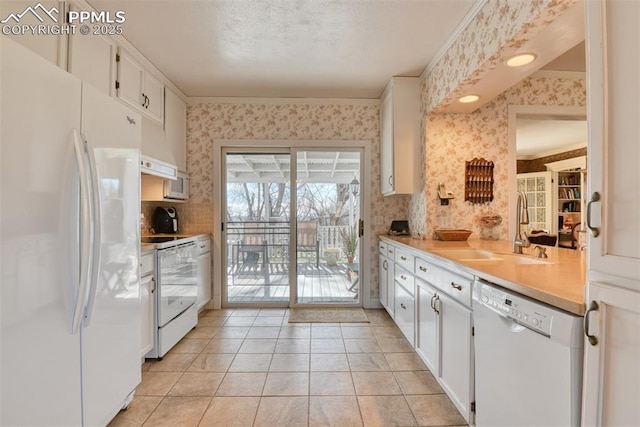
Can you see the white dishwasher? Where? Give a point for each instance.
(528, 358)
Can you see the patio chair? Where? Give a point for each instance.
(307, 240)
(251, 245)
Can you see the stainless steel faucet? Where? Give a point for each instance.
(522, 213)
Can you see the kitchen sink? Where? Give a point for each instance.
(480, 256)
(463, 254)
(508, 259)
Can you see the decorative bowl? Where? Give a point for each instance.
(453, 235)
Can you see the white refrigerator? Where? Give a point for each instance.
(69, 247)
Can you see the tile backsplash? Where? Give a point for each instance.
(193, 218)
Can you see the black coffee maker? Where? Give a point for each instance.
(165, 220)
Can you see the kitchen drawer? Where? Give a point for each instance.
(455, 285)
(382, 248)
(203, 245)
(404, 278)
(405, 312)
(390, 251)
(423, 269)
(147, 263)
(404, 260)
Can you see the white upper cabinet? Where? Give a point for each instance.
(154, 94)
(52, 47)
(91, 59)
(175, 127)
(400, 137)
(614, 151)
(611, 370)
(138, 88)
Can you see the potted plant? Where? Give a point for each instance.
(349, 238)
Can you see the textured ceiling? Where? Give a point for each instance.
(288, 48)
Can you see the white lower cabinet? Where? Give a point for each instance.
(204, 272)
(432, 305)
(405, 311)
(611, 389)
(382, 280)
(427, 333)
(456, 362)
(147, 297)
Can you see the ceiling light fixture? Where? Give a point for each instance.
(521, 59)
(469, 98)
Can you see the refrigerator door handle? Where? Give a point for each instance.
(96, 226)
(86, 249)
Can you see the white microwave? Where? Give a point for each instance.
(177, 189)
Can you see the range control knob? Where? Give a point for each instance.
(535, 322)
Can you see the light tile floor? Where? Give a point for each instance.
(250, 367)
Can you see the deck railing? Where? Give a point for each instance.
(274, 236)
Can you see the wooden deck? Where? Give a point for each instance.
(270, 283)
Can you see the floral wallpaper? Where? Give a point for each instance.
(498, 30)
(452, 139)
(275, 121)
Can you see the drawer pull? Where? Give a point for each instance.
(404, 258)
(423, 269)
(403, 306)
(458, 287)
(390, 251)
(403, 277)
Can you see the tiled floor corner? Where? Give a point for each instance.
(250, 367)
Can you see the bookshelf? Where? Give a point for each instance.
(569, 192)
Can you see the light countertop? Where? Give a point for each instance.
(560, 283)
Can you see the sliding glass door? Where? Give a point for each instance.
(257, 228)
(327, 240)
(291, 248)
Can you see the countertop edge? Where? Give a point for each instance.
(553, 299)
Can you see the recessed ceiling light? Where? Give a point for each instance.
(469, 98)
(521, 59)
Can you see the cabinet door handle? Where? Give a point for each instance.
(384, 264)
(433, 298)
(403, 306)
(456, 286)
(404, 258)
(423, 269)
(144, 100)
(390, 179)
(593, 340)
(148, 102)
(403, 277)
(595, 231)
(434, 304)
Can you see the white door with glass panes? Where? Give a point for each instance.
(539, 187)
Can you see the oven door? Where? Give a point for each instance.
(177, 281)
